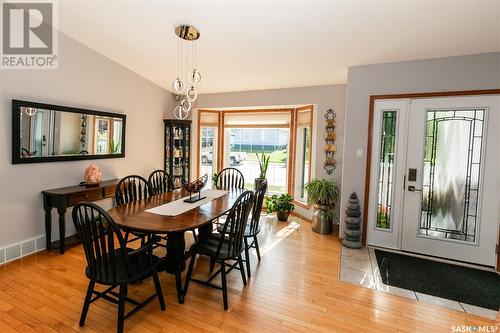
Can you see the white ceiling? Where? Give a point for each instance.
(263, 44)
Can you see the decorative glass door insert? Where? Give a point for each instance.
(386, 169)
(451, 192)
(452, 164)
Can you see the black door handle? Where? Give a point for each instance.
(412, 188)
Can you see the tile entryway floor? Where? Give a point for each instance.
(360, 267)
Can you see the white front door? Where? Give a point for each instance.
(451, 208)
(434, 185)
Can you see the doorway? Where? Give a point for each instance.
(434, 179)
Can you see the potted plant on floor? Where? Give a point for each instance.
(323, 195)
(281, 204)
(263, 164)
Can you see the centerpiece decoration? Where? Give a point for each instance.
(195, 187)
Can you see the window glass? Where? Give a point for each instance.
(302, 153)
(246, 143)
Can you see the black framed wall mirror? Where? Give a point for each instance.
(52, 133)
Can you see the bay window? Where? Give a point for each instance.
(285, 135)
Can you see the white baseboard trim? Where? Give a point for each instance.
(22, 249)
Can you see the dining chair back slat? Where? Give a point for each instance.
(260, 193)
(234, 227)
(98, 233)
(161, 182)
(230, 178)
(132, 188)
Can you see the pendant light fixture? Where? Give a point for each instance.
(186, 53)
(30, 111)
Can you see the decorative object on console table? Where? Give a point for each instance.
(177, 155)
(352, 238)
(330, 136)
(62, 198)
(92, 175)
(195, 187)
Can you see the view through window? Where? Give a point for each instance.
(283, 134)
(207, 156)
(245, 143)
(303, 162)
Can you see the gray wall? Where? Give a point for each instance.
(471, 72)
(84, 79)
(322, 97)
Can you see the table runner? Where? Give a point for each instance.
(177, 207)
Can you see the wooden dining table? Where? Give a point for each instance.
(133, 217)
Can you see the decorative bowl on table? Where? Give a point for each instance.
(195, 187)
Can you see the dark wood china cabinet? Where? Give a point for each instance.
(177, 149)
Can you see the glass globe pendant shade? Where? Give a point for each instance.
(30, 111)
(186, 104)
(178, 86)
(195, 76)
(180, 112)
(191, 94)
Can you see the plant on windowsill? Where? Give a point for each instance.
(114, 147)
(215, 178)
(323, 195)
(281, 204)
(263, 164)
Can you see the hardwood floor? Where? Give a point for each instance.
(295, 288)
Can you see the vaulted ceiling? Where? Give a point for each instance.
(263, 44)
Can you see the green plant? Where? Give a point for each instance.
(114, 148)
(323, 192)
(215, 178)
(263, 164)
(279, 203)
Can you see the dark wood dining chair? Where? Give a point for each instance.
(228, 246)
(129, 189)
(252, 228)
(161, 182)
(112, 267)
(230, 178)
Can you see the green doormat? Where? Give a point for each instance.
(457, 283)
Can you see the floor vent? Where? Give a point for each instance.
(22, 249)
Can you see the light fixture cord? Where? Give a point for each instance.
(178, 58)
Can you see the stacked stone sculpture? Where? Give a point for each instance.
(352, 234)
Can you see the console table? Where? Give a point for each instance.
(64, 197)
